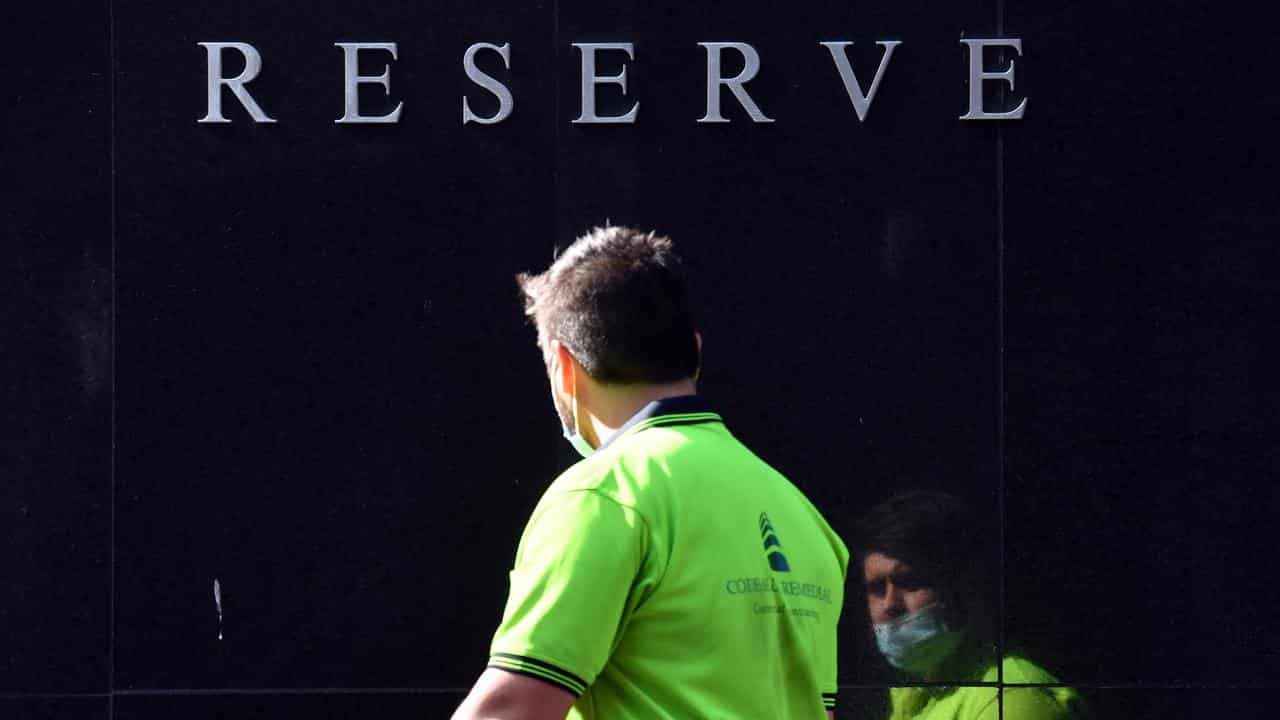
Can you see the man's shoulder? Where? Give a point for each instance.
(586, 474)
(603, 474)
(633, 464)
(1018, 669)
(600, 473)
(1039, 698)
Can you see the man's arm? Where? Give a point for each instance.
(502, 695)
(577, 562)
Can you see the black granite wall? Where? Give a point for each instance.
(288, 358)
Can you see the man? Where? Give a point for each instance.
(671, 574)
(926, 583)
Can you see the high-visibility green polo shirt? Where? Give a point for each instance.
(674, 575)
(1038, 701)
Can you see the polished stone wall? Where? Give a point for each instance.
(288, 359)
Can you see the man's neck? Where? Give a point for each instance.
(614, 405)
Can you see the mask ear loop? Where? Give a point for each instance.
(573, 398)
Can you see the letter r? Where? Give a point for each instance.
(252, 66)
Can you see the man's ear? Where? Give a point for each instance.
(566, 364)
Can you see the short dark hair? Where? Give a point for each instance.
(938, 535)
(616, 298)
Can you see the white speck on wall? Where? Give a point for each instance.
(217, 601)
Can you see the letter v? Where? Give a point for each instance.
(861, 103)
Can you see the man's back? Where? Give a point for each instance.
(673, 574)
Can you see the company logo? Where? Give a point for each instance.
(772, 545)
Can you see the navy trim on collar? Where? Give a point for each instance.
(680, 405)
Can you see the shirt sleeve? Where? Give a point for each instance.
(828, 666)
(827, 669)
(571, 589)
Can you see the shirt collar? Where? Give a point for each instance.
(679, 410)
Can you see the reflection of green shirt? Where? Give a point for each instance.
(981, 703)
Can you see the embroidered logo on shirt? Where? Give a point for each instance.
(772, 545)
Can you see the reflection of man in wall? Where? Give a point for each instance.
(929, 597)
(670, 574)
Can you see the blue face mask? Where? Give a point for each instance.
(575, 439)
(918, 642)
(578, 442)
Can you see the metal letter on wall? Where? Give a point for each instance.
(861, 102)
(352, 80)
(252, 66)
(714, 81)
(590, 80)
(505, 102)
(977, 75)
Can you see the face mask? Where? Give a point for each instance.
(918, 641)
(578, 442)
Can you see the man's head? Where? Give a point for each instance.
(612, 314)
(923, 551)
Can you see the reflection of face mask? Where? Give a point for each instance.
(918, 641)
(575, 439)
